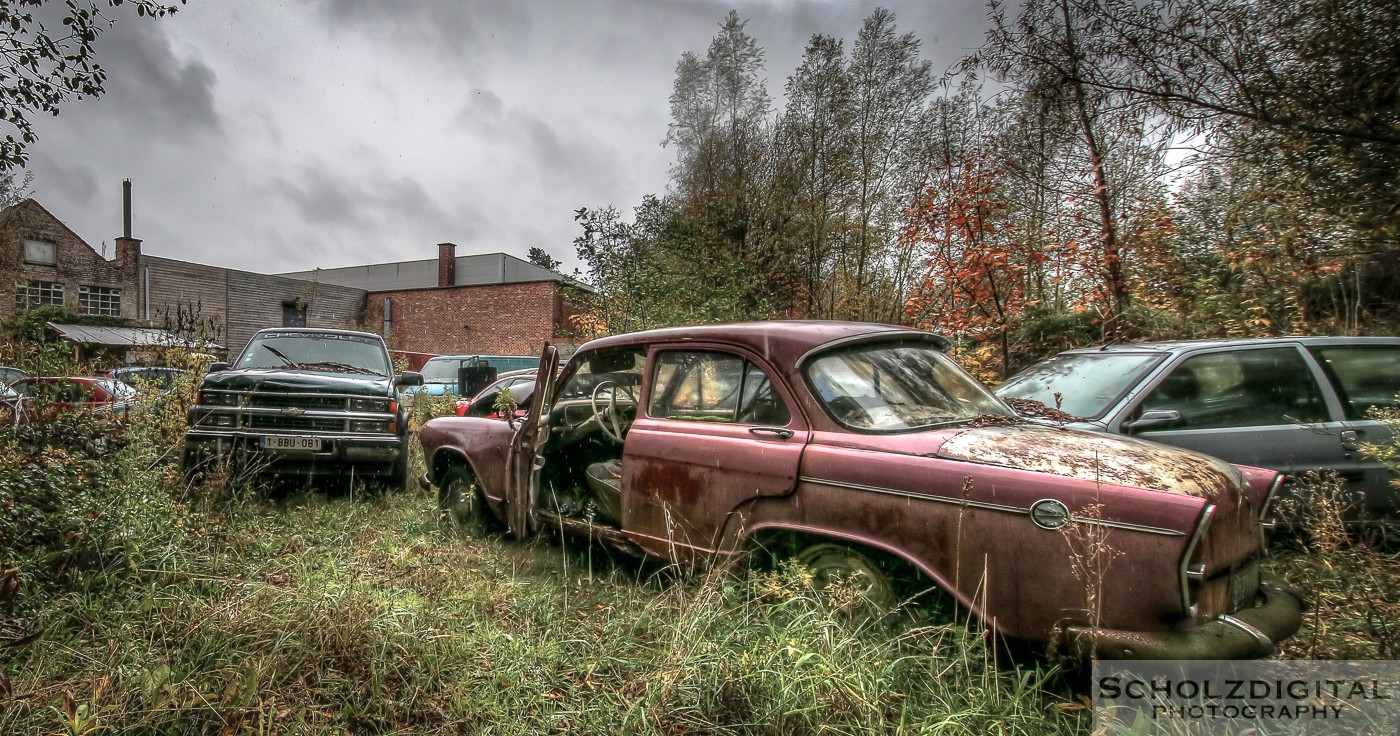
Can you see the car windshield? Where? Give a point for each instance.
(442, 370)
(117, 389)
(316, 352)
(1082, 384)
(893, 387)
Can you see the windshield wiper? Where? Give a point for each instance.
(342, 367)
(278, 354)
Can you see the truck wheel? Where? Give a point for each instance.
(397, 479)
(459, 499)
(849, 581)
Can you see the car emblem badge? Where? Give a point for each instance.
(292, 412)
(1048, 513)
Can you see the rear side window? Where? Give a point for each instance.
(1366, 376)
(1242, 388)
(707, 386)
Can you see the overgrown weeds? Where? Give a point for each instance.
(333, 616)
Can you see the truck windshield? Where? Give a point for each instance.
(316, 352)
(893, 387)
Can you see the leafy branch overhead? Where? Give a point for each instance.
(45, 65)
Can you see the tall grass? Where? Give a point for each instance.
(320, 615)
(131, 602)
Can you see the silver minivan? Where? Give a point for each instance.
(1290, 404)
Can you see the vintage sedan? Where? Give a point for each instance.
(865, 453)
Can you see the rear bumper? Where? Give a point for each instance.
(367, 454)
(1246, 634)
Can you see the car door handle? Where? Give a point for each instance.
(778, 432)
(1351, 440)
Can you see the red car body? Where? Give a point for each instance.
(47, 397)
(866, 444)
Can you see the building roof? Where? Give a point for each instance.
(473, 270)
(127, 337)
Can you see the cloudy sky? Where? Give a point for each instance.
(280, 136)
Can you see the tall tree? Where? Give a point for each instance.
(815, 146)
(891, 85)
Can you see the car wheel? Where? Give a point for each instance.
(852, 584)
(459, 498)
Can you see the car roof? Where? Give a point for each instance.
(790, 338)
(1189, 345)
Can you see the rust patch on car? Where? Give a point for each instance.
(669, 482)
(1095, 457)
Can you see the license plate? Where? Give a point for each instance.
(283, 442)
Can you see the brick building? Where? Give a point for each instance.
(479, 304)
(48, 264)
(482, 304)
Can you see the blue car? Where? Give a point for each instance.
(440, 373)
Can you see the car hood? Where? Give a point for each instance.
(279, 380)
(1094, 456)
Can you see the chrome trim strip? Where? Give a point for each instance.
(992, 506)
(1130, 526)
(1186, 557)
(921, 496)
(1266, 644)
(1269, 497)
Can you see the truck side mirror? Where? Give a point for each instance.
(409, 378)
(219, 366)
(1153, 418)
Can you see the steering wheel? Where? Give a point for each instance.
(610, 417)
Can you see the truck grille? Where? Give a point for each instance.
(293, 412)
(304, 424)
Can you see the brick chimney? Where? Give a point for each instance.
(129, 254)
(447, 264)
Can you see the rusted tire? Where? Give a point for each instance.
(459, 499)
(848, 580)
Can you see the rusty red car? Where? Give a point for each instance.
(865, 453)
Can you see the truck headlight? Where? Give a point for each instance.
(368, 425)
(219, 420)
(369, 405)
(217, 398)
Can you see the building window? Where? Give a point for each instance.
(100, 300)
(39, 294)
(40, 251)
(294, 313)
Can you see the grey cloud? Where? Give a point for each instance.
(149, 86)
(74, 183)
(447, 30)
(321, 198)
(371, 203)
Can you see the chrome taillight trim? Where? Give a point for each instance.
(1185, 567)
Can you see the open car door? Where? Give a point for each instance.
(525, 459)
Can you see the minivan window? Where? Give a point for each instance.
(1366, 376)
(1240, 388)
(1081, 384)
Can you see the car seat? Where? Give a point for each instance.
(605, 481)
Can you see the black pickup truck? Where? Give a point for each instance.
(302, 401)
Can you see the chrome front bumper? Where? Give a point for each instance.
(1245, 634)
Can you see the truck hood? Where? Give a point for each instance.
(1094, 456)
(280, 380)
